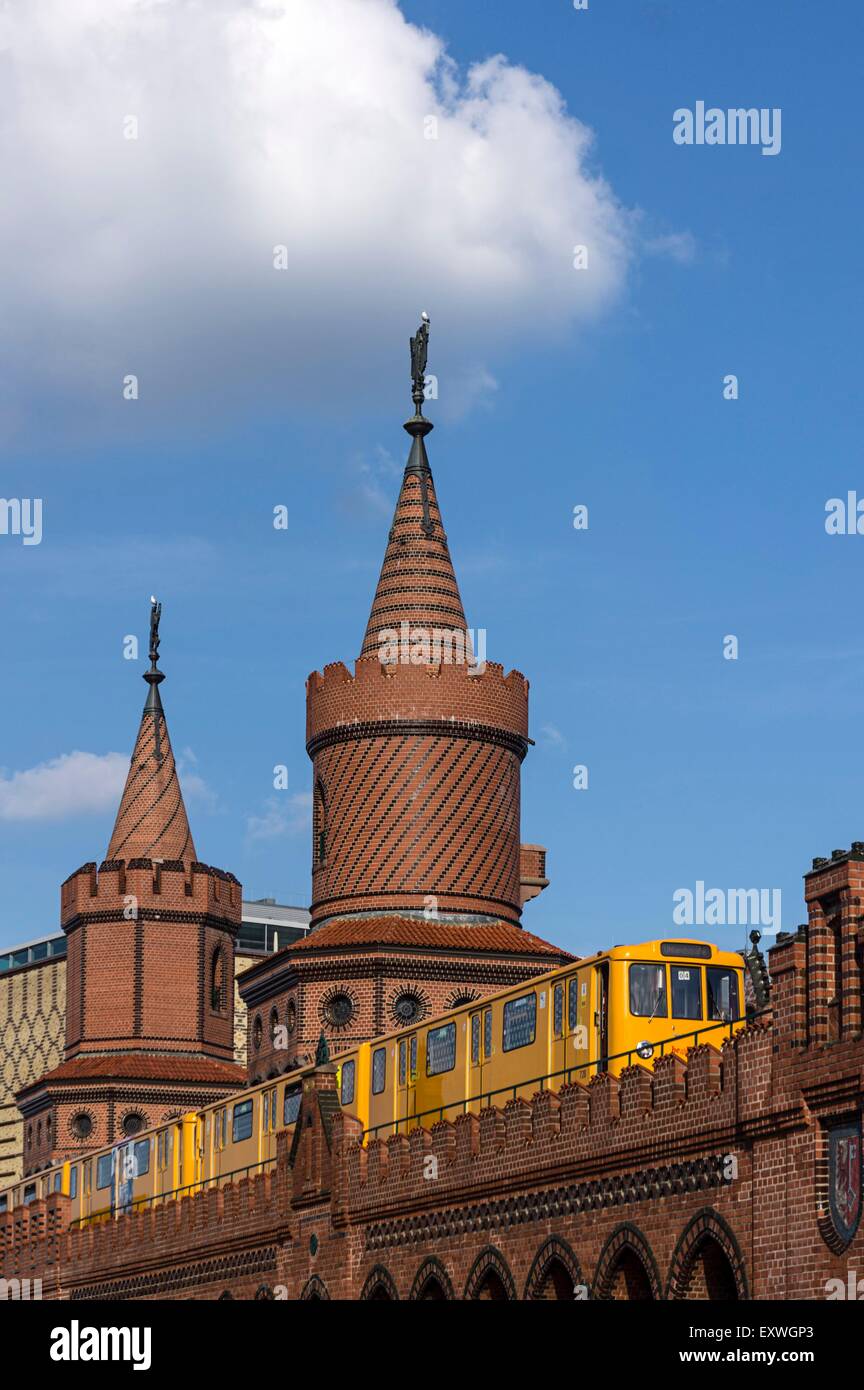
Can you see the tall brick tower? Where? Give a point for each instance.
(417, 755)
(418, 875)
(150, 970)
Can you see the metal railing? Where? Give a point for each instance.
(200, 1185)
(484, 1098)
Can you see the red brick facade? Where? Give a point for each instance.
(709, 1180)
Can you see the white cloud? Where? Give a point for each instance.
(552, 736)
(290, 815)
(74, 784)
(298, 123)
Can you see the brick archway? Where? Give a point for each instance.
(431, 1282)
(314, 1290)
(379, 1286)
(626, 1269)
(490, 1278)
(554, 1272)
(707, 1259)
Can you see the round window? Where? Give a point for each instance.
(133, 1123)
(82, 1125)
(340, 1010)
(408, 1008)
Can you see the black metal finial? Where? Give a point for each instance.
(322, 1052)
(154, 678)
(419, 353)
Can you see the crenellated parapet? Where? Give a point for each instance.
(676, 1122)
(468, 701)
(119, 887)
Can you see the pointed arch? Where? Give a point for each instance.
(626, 1269)
(707, 1262)
(379, 1287)
(490, 1278)
(431, 1282)
(554, 1273)
(218, 981)
(315, 1290)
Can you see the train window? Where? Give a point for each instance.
(379, 1070)
(293, 1096)
(520, 1022)
(29, 1193)
(475, 1039)
(722, 993)
(88, 1178)
(104, 1170)
(558, 1010)
(648, 991)
(402, 1062)
(686, 991)
(58, 1180)
(573, 1004)
(73, 1182)
(347, 1084)
(412, 1059)
(265, 1113)
(487, 1033)
(441, 1049)
(142, 1157)
(274, 1096)
(4, 1202)
(241, 1121)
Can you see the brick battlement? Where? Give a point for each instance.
(158, 885)
(582, 1131)
(376, 693)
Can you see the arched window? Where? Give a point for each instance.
(217, 980)
(319, 824)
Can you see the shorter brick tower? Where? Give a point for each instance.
(150, 970)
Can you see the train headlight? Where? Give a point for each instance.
(645, 1050)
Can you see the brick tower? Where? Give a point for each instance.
(150, 969)
(416, 756)
(418, 874)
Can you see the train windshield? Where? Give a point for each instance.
(722, 993)
(686, 991)
(648, 991)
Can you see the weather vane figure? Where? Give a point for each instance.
(155, 615)
(419, 353)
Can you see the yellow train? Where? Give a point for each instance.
(603, 1013)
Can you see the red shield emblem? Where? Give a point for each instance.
(844, 1179)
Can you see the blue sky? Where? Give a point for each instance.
(706, 515)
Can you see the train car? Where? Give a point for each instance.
(631, 1003)
(628, 1004)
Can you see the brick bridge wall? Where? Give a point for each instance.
(705, 1180)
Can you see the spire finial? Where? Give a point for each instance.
(419, 351)
(322, 1052)
(154, 676)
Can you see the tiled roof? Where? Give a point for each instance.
(417, 584)
(140, 1067)
(151, 822)
(499, 938)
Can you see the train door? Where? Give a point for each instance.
(406, 1078)
(475, 1060)
(601, 1016)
